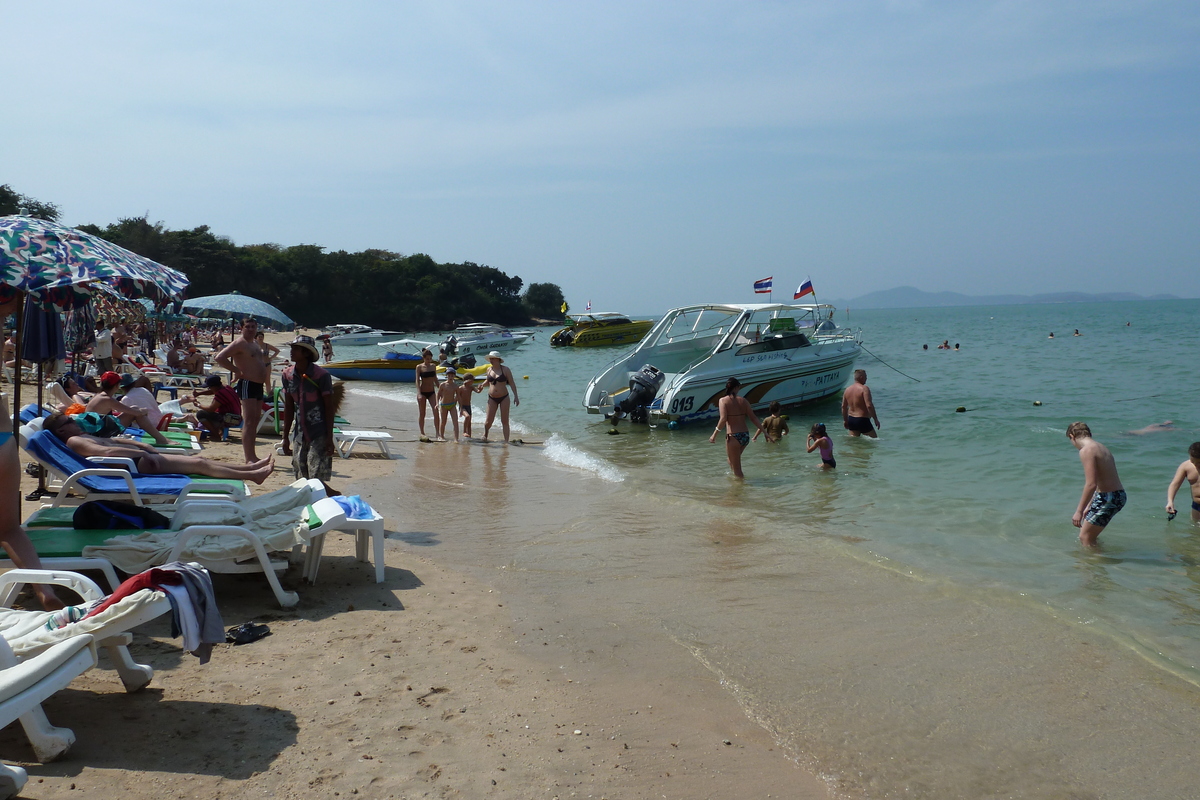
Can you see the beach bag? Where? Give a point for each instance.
(108, 515)
(105, 426)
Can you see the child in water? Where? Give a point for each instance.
(818, 438)
(774, 426)
(464, 401)
(447, 410)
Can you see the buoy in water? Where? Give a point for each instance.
(1037, 402)
(525, 377)
(613, 431)
(673, 425)
(960, 410)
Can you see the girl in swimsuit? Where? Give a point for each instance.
(427, 385)
(447, 395)
(818, 438)
(734, 412)
(499, 380)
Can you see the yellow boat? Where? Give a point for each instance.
(600, 329)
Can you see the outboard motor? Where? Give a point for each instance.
(465, 362)
(449, 347)
(643, 388)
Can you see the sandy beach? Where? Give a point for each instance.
(426, 685)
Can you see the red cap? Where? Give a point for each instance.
(109, 379)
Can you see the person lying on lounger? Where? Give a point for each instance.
(105, 403)
(149, 461)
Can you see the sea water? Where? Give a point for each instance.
(976, 503)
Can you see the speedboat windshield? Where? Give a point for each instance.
(701, 325)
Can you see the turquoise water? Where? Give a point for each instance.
(981, 499)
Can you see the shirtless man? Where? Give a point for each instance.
(1188, 471)
(858, 410)
(1103, 495)
(193, 362)
(147, 460)
(245, 357)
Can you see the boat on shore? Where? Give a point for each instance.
(790, 353)
(357, 335)
(393, 368)
(600, 329)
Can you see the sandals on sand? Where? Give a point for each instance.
(246, 633)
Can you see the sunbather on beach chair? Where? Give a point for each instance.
(147, 460)
(105, 403)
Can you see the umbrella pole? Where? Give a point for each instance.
(40, 491)
(17, 389)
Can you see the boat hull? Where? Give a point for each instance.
(382, 369)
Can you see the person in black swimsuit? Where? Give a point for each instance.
(427, 385)
(499, 380)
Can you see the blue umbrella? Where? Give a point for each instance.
(41, 341)
(236, 305)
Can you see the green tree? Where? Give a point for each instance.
(544, 300)
(13, 203)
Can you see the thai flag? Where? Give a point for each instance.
(805, 288)
(763, 286)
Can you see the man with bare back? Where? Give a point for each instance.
(1103, 494)
(244, 357)
(858, 409)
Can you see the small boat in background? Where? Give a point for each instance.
(392, 368)
(476, 339)
(357, 335)
(600, 329)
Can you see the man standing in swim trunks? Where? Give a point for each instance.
(245, 357)
(1188, 471)
(1103, 495)
(858, 409)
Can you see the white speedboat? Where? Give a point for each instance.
(790, 353)
(477, 339)
(357, 335)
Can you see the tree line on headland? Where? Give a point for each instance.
(315, 287)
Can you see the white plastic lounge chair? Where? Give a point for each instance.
(346, 440)
(25, 632)
(23, 687)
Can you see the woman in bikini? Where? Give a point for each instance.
(427, 385)
(734, 412)
(499, 380)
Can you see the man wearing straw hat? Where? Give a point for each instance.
(308, 401)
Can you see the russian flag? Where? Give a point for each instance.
(763, 286)
(589, 306)
(805, 288)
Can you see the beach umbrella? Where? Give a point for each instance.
(57, 265)
(236, 305)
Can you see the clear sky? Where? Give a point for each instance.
(640, 155)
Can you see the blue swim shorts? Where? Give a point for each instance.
(1104, 507)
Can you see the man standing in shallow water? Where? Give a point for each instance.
(1103, 495)
(858, 410)
(244, 357)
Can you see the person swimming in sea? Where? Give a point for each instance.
(818, 438)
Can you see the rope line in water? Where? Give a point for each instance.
(889, 366)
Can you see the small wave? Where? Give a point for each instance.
(558, 449)
(410, 398)
(385, 394)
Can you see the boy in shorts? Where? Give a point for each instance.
(464, 401)
(1103, 495)
(1188, 471)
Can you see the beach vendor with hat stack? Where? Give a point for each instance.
(499, 380)
(308, 402)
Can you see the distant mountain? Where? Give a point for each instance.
(911, 297)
